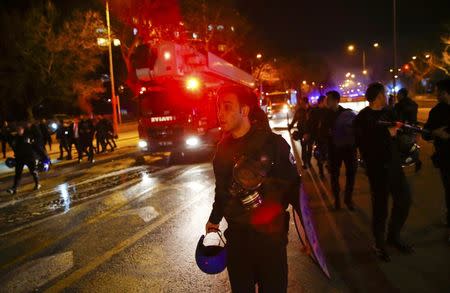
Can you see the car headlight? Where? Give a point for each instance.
(142, 144)
(193, 141)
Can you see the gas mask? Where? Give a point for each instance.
(248, 177)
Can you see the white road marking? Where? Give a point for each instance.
(146, 213)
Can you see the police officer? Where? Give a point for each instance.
(341, 148)
(318, 133)
(406, 108)
(33, 132)
(257, 219)
(379, 150)
(74, 138)
(62, 135)
(301, 118)
(87, 132)
(110, 135)
(438, 125)
(25, 155)
(406, 111)
(46, 135)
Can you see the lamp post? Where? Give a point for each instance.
(394, 36)
(351, 49)
(111, 73)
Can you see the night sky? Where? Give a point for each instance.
(324, 28)
(327, 26)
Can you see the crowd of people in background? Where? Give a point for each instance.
(29, 142)
(374, 138)
(77, 135)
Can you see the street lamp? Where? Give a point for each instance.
(427, 56)
(414, 57)
(259, 56)
(114, 99)
(351, 48)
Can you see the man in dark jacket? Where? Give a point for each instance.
(87, 132)
(318, 132)
(406, 108)
(438, 125)
(341, 148)
(301, 119)
(406, 111)
(257, 228)
(74, 138)
(62, 135)
(33, 132)
(379, 150)
(25, 155)
(46, 135)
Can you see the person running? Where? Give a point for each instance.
(25, 155)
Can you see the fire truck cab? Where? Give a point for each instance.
(177, 103)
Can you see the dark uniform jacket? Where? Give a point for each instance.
(439, 117)
(280, 187)
(316, 125)
(378, 149)
(301, 118)
(44, 131)
(406, 110)
(24, 150)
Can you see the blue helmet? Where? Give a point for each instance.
(10, 162)
(211, 256)
(44, 164)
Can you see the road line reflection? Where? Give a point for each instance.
(63, 189)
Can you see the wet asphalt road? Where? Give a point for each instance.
(117, 226)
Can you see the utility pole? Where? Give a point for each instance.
(394, 72)
(111, 74)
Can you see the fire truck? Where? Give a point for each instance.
(177, 103)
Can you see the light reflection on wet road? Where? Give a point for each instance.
(118, 227)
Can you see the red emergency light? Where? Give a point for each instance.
(193, 83)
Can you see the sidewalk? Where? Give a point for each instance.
(128, 138)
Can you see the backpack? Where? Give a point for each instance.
(343, 132)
